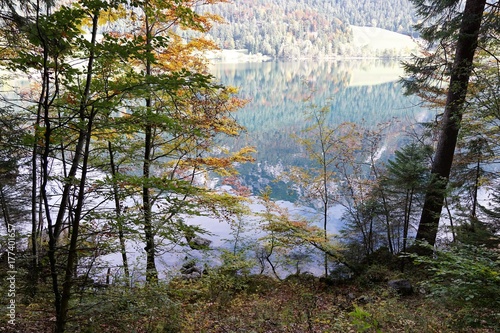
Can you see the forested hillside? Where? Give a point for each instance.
(307, 28)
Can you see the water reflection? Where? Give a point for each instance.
(359, 91)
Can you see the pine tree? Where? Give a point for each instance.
(446, 27)
(406, 179)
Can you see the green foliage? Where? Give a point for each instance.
(378, 268)
(13, 181)
(409, 166)
(329, 151)
(401, 185)
(234, 264)
(229, 278)
(466, 277)
(378, 273)
(477, 233)
(143, 308)
(389, 313)
(451, 28)
(141, 96)
(363, 321)
(254, 304)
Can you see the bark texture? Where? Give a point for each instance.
(455, 102)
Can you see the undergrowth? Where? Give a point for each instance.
(231, 301)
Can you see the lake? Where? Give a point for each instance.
(359, 91)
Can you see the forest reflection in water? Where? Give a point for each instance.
(365, 92)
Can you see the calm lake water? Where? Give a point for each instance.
(360, 91)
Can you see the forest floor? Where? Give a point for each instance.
(221, 303)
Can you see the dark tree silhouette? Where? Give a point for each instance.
(468, 24)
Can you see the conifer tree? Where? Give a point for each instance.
(406, 179)
(445, 26)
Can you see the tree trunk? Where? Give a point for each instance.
(81, 151)
(474, 194)
(71, 263)
(149, 234)
(118, 212)
(443, 158)
(408, 206)
(385, 207)
(35, 222)
(5, 209)
(44, 104)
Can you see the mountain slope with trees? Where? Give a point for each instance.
(305, 28)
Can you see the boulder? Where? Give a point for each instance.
(198, 243)
(189, 271)
(402, 286)
(190, 267)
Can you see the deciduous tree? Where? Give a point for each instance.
(326, 149)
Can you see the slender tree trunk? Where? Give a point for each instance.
(325, 235)
(151, 271)
(406, 227)
(443, 158)
(387, 218)
(370, 237)
(37, 198)
(326, 198)
(118, 213)
(5, 209)
(35, 222)
(44, 111)
(72, 253)
(81, 151)
(474, 194)
(385, 207)
(268, 258)
(388, 224)
(326, 202)
(450, 216)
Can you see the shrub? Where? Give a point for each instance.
(466, 277)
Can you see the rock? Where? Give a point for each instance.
(190, 271)
(190, 267)
(199, 243)
(402, 287)
(189, 263)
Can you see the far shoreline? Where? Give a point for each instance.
(242, 56)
